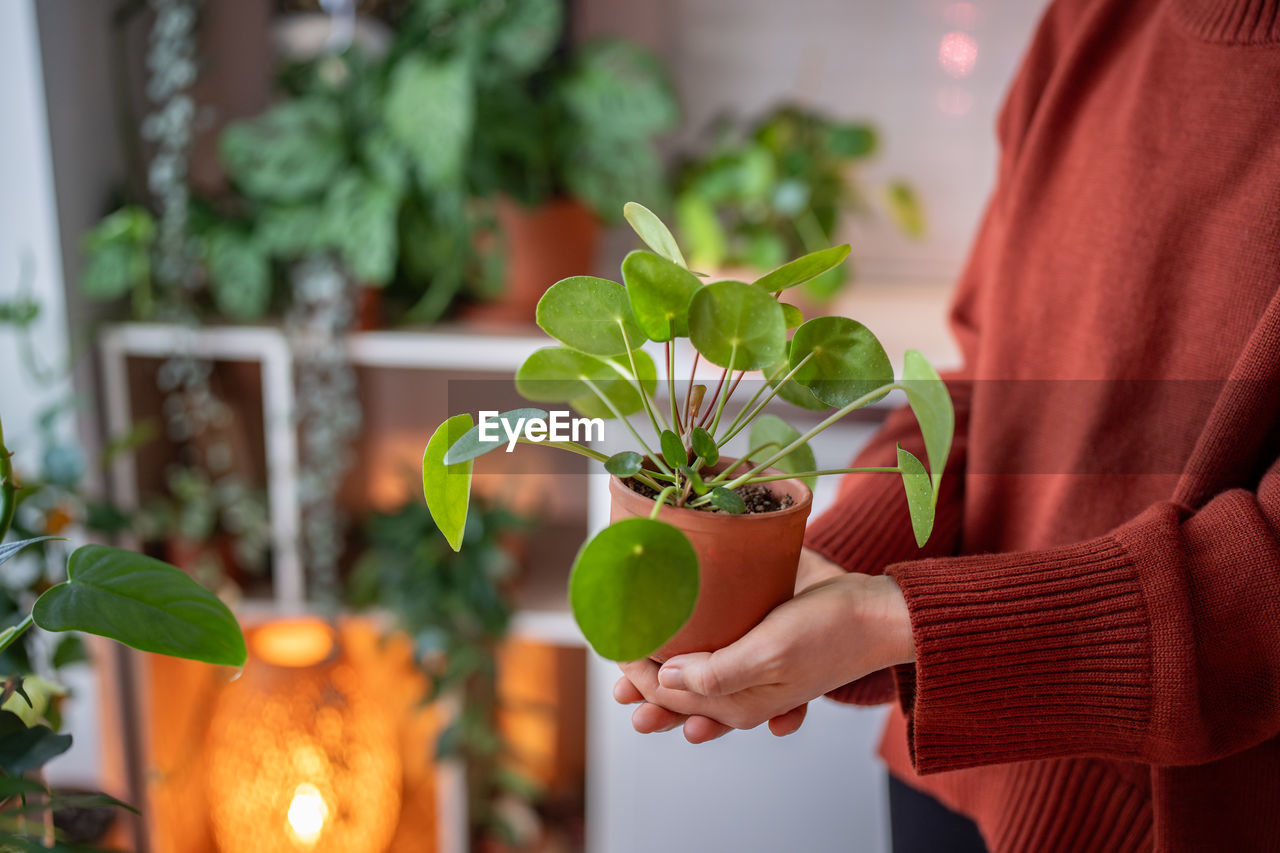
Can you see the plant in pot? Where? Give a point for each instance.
(700, 546)
(110, 592)
(559, 139)
(782, 187)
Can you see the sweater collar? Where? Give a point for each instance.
(1236, 22)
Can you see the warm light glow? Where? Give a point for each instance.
(303, 642)
(957, 54)
(307, 812)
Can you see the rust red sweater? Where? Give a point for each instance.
(1097, 617)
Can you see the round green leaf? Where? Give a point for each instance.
(771, 428)
(845, 361)
(633, 586)
(590, 314)
(447, 488)
(660, 292)
(558, 374)
(653, 232)
(737, 325)
(792, 315)
(624, 464)
(803, 268)
(704, 445)
(728, 501)
(622, 395)
(673, 450)
(143, 603)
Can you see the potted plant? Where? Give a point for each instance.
(782, 187)
(684, 535)
(113, 593)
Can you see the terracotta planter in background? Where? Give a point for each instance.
(544, 244)
(746, 563)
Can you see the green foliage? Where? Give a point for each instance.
(737, 326)
(779, 188)
(590, 314)
(448, 487)
(630, 582)
(290, 153)
(633, 585)
(429, 111)
(143, 603)
(117, 257)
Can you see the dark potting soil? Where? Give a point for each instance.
(756, 496)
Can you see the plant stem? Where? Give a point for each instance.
(837, 415)
(715, 422)
(671, 386)
(8, 491)
(657, 460)
(711, 404)
(659, 500)
(11, 634)
(746, 457)
(639, 383)
(744, 419)
(588, 452)
(688, 393)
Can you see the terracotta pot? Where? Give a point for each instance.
(544, 244)
(746, 563)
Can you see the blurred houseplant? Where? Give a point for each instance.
(454, 606)
(783, 187)
(411, 168)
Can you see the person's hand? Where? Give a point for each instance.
(834, 631)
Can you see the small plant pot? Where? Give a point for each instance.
(746, 563)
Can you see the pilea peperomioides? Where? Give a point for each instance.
(636, 582)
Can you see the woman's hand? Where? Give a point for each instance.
(834, 631)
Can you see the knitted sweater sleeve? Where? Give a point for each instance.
(1157, 642)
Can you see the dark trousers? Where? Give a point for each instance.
(921, 824)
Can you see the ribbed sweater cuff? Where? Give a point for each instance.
(1025, 656)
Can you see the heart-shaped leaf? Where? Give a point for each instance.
(673, 450)
(660, 291)
(736, 325)
(931, 403)
(10, 549)
(624, 464)
(653, 232)
(494, 433)
(772, 429)
(590, 314)
(143, 603)
(728, 501)
(920, 499)
(842, 360)
(448, 487)
(704, 445)
(633, 586)
(804, 268)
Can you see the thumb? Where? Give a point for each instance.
(712, 674)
